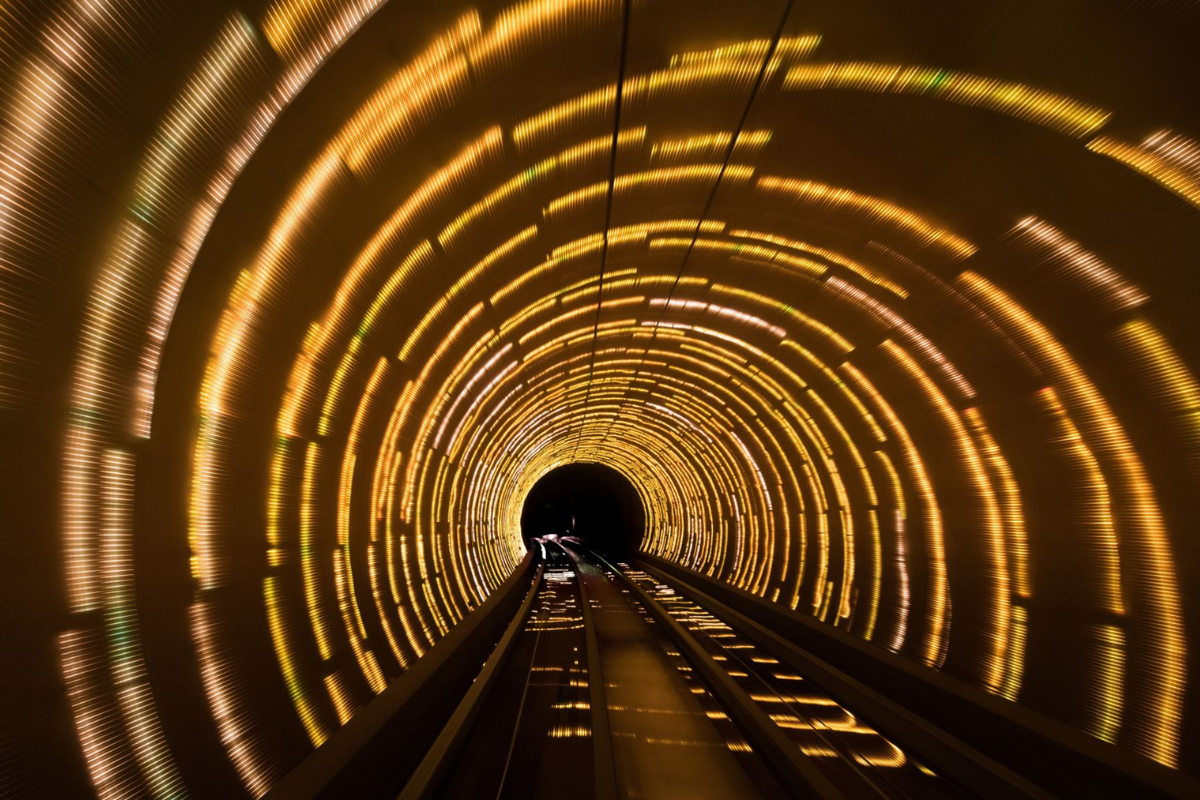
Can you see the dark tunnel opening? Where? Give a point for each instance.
(592, 502)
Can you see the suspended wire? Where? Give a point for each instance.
(612, 177)
(712, 195)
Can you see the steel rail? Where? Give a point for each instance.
(953, 758)
(797, 771)
(426, 780)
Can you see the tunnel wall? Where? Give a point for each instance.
(887, 314)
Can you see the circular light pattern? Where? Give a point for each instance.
(960, 438)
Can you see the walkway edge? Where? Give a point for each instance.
(426, 779)
(372, 753)
(1060, 759)
(954, 759)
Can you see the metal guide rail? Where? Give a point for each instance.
(373, 754)
(527, 718)
(671, 735)
(808, 736)
(946, 723)
(855, 757)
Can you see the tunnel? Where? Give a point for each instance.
(592, 503)
(599, 398)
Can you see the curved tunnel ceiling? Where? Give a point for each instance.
(887, 314)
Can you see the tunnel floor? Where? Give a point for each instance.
(668, 733)
(669, 737)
